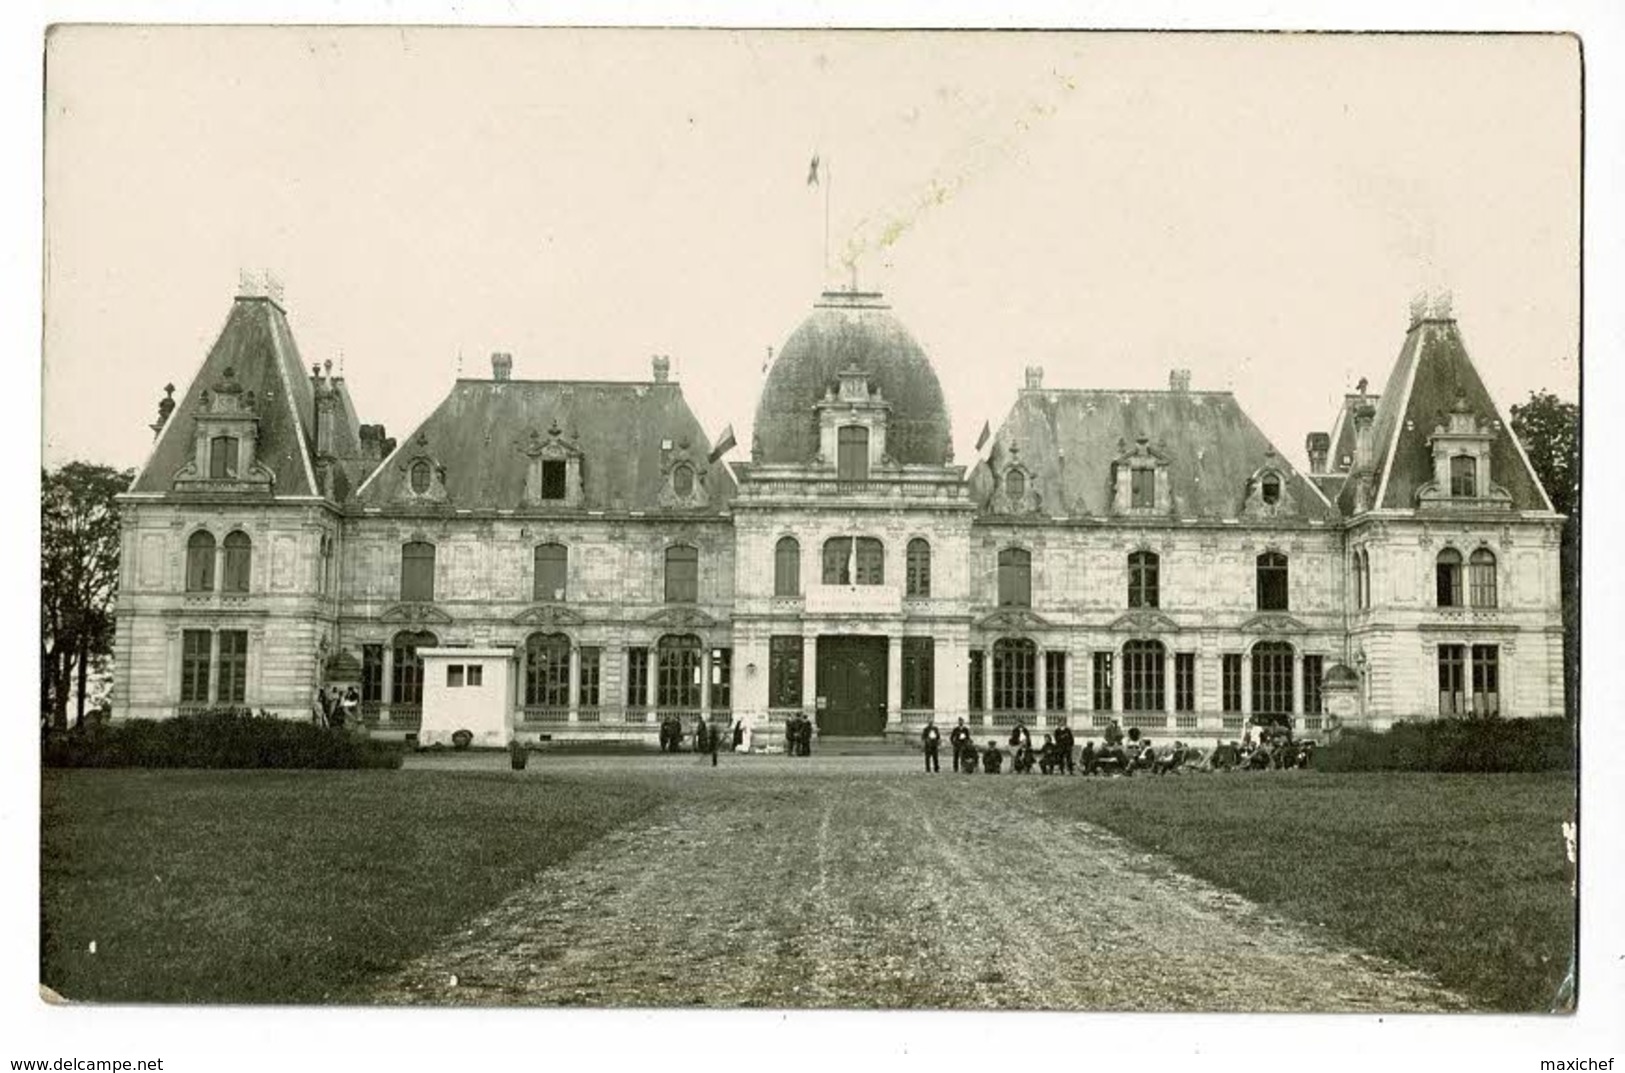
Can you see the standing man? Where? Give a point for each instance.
(1063, 746)
(929, 737)
(959, 738)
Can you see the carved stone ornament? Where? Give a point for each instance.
(1016, 619)
(680, 618)
(1145, 622)
(1274, 622)
(415, 614)
(549, 616)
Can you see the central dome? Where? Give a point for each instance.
(852, 328)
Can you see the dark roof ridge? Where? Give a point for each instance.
(1126, 391)
(594, 383)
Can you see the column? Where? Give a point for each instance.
(387, 689)
(1041, 702)
(214, 663)
(1246, 685)
(651, 672)
(1467, 676)
(1167, 684)
(894, 681)
(575, 680)
(809, 676)
(1296, 719)
(1119, 672)
(705, 683)
(987, 686)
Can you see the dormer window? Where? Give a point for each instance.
(222, 457)
(553, 478)
(1015, 483)
(422, 476)
(1270, 489)
(682, 481)
(1464, 476)
(852, 461)
(1143, 489)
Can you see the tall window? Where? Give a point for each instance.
(223, 456)
(682, 574)
(919, 671)
(1184, 681)
(1464, 476)
(787, 567)
(407, 684)
(1313, 670)
(1142, 484)
(1269, 489)
(1272, 582)
(1360, 573)
(637, 678)
(552, 573)
(420, 476)
(1481, 578)
(554, 471)
(678, 668)
(194, 666)
(919, 567)
(682, 481)
(784, 672)
(722, 678)
(1142, 579)
(865, 566)
(200, 562)
(1015, 578)
(1452, 680)
(324, 576)
(547, 670)
(232, 686)
(1272, 678)
(977, 677)
(1015, 483)
(1103, 681)
(1015, 672)
(591, 674)
(852, 458)
(1232, 681)
(1486, 680)
(239, 555)
(1143, 679)
(1448, 577)
(417, 571)
(1055, 681)
(372, 674)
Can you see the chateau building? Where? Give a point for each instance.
(577, 559)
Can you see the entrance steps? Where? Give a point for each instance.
(840, 745)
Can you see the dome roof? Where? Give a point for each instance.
(852, 328)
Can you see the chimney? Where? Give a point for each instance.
(1363, 413)
(1179, 379)
(501, 366)
(661, 364)
(1035, 378)
(166, 406)
(321, 381)
(1319, 445)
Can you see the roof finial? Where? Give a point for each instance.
(273, 287)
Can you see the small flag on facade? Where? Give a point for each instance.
(812, 171)
(982, 439)
(724, 444)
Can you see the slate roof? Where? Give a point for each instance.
(478, 430)
(852, 328)
(258, 346)
(1432, 372)
(1213, 447)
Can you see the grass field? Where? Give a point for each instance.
(255, 886)
(1461, 875)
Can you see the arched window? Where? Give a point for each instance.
(1143, 680)
(1015, 483)
(552, 573)
(407, 677)
(1447, 574)
(1142, 579)
(417, 571)
(200, 562)
(1270, 489)
(849, 562)
(682, 574)
(1272, 581)
(1481, 578)
(787, 567)
(239, 556)
(422, 475)
(682, 481)
(1272, 678)
(547, 670)
(1015, 675)
(1015, 578)
(678, 666)
(1464, 476)
(1142, 488)
(852, 453)
(918, 581)
(223, 456)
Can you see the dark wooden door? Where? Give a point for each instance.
(852, 683)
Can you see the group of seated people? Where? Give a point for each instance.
(1125, 754)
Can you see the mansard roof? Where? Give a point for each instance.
(1432, 374)
(258, 347)
(479, 434)
(1069, 439)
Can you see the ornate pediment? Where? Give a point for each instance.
(551, 615)
(1013, 618)
(1144, 622)
(415, 614)
(680, 618)
(1274, 622)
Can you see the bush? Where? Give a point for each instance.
(222, 738)
(1460, 745)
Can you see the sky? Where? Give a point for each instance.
(1258, 209)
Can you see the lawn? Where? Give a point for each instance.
(1461, 875)
(291, 886)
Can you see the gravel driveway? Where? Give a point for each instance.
(862, 885)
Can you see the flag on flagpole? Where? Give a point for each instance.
(982, 439)
(724, 444)
(812, 171)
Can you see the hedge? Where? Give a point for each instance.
(1476, 744)
(222, 738)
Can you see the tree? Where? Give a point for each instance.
(79, 559)
(1549, 430)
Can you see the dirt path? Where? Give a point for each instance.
(864, 891)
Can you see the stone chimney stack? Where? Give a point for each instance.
(1319, 445)
(1179, 380)
(661, 365)
(501, 366)
(321, 382)
(166, 406)
(1035, 378)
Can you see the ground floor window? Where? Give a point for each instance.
(547, 671)
(919, 672)
(195, 666)
(1143, 684)
(977, 676)
(722, 677)
(372, 674)
(1452, 680)
(784, 672)
(1272, 678)
(1313, 669)
(1015, 672)
(1232, 681)
(1103, 681)
(637, 678)
(1184, 681)
(677, 684)
(232, 685)
(1055, 681)
(1486, 680)
(407, 684)
(592, 673)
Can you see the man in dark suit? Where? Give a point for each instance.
(930, 739)
(960, 739)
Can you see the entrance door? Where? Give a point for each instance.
(852, 685)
